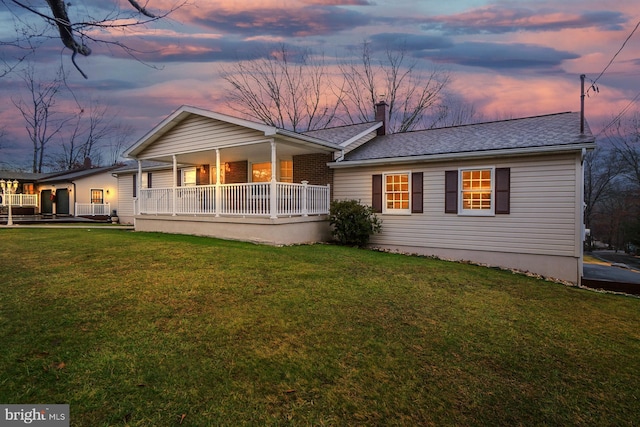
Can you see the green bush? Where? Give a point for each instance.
(353, 223)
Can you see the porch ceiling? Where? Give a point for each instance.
(259, 152)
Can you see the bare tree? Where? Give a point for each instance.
(625, 138)
(39, 114)
(453, 111)
(286, 89)
(14, 52)
(409, 90)
(295, 90)
(91, 127)
(601, 170)
(119, 141)
(76, 35)
(614, 211)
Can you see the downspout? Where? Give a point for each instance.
(75, 204)
(582, 224)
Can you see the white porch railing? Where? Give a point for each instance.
(92, 209)
(248, 199)
(30, 200)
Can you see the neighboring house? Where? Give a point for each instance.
(28, 200)
(505, 193)
(89, 192)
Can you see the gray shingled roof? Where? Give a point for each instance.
(531, 132)
(22, 176)
(340, 134)
(69, 176)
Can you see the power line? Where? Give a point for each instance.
(593, 83)
(616, 118)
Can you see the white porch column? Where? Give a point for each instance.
(273, 200)
(175, 184)
(218, 187)
(305, 197)
(139, 185)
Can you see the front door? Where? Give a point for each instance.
(62, 201)
(46, 204)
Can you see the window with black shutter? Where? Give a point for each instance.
(451, 192)
(478, 191)
(397, 193)
(376, 193)
(503, 191)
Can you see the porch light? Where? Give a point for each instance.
(8, 187)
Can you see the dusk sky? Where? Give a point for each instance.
(507, 58)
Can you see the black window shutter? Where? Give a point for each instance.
(416, 192)
(451, 192)
(135, 185)
(503, 189)
(148, 179)
(179, 179)
(376, 195)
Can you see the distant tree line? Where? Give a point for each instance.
(612, 188)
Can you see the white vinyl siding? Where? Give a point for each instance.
(163, 178)
(542, 219)
(125, 198)
(197, 133)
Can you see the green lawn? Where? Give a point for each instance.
(146, 329)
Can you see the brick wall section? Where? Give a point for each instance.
(313, 168)
(236, 172)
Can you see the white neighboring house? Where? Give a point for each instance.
(506, 193)
(88, 192)
(91, 192)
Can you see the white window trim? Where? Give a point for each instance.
(91, 190)
(387, 211)
(183, 180)
(278, 168)
(477, 212)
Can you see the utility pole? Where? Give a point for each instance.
(582, 76)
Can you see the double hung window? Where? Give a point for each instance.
(483, 191)
(97, 196)
(396, 193)
(476, 191)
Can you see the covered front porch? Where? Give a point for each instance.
(211, 174)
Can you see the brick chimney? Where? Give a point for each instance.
(382, 115)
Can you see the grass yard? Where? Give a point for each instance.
(145, 329)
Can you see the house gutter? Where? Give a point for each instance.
(507, 152)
